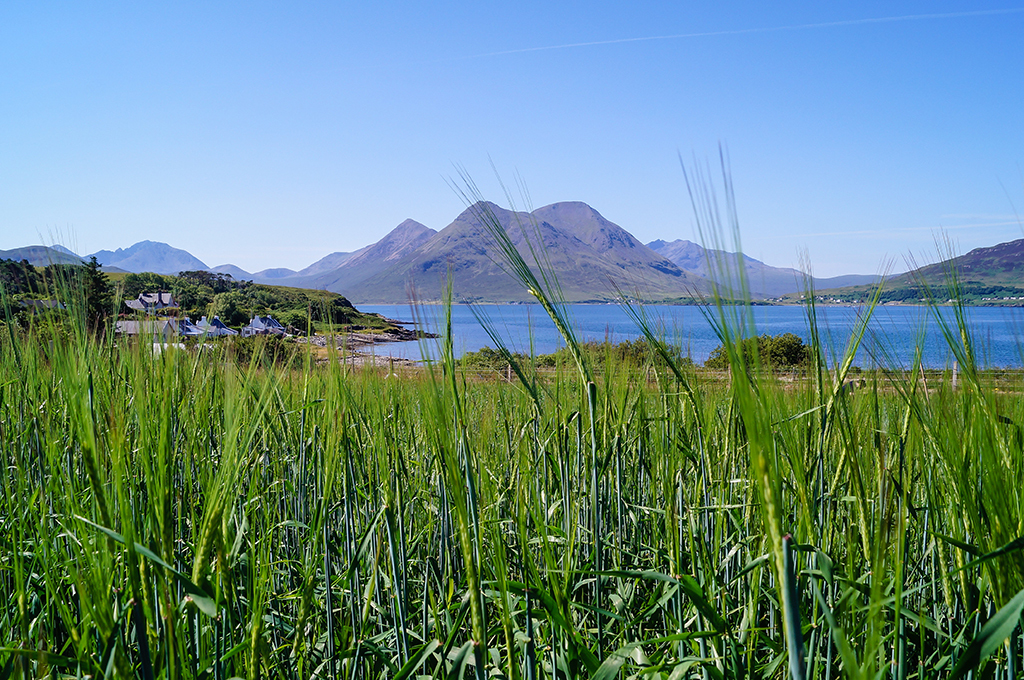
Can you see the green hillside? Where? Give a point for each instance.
(992, 275)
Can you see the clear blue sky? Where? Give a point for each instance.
(271, 134)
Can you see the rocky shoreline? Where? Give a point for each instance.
(354, 344)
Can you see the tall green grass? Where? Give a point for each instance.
(189, 516)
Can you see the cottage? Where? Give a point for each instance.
(188, 329)
(160, 331)
(151, 302)
(215, 328)
(263, 325)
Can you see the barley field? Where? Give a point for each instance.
(191, 515)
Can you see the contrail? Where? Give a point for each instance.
(770, 29)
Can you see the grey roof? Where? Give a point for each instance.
(147, 302)
(159, 299)
(161, 327)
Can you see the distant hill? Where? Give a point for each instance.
(150, 256)
(588, 254)
(41, 256)
(275, 274)
(764, 280)
(325, 264)
(993, 265)
(237, 273)
(67, 251)
(989, 275)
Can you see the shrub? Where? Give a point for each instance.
(776, 351)
(268, 350)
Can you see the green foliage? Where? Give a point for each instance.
(132, 285)
(488, 358)
(20, 278)
(297, 319)
(785, 351)
(630, 353)
(230, 307)
(263, 351)
(200, 293)
(215, 281)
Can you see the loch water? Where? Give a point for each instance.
(893, 334)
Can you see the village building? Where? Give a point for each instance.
(188, 329)
(214, 328)
(161, 330)
(158, 330)
(151, 302)
(263, 325)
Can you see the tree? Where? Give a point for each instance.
(219, 283)
(191, 296)
(145, 282)
(96, 293)
(231, 308)
(783, 351)
(19, 278)
(297, 319)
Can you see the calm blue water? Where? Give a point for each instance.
(893, 333)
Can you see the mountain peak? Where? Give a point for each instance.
(569, 210)
(150, 256)
(473, 212)
(409, 225)
(404, 238)
(588, 225)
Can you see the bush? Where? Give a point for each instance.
(488, 358)
(775, 351)
(297, 319)
(268, 350)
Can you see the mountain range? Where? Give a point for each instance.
(591, 257)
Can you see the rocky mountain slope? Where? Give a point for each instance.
(1001, 264)
(367, 262)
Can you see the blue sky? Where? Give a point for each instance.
(271, 134)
